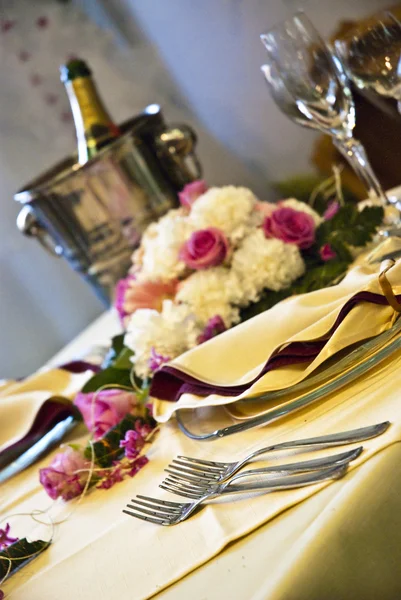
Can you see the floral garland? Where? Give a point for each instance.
(224, 256)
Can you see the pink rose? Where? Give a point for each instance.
(191, 192)
(331, 210)
(205, 248)
(66, 476)
(105, 409)
(290, 226)
(147, 294)
(327, 253)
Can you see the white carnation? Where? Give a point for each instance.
(265, 263)
(302, 207)
(211, 292)
(160, 246)
(169, 333)
(230, 208)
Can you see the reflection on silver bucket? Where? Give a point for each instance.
(95, 214)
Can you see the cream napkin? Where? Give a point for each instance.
(22, 401)
(297, 335)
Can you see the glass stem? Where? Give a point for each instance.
(355, 153)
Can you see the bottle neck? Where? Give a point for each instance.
(93, 123)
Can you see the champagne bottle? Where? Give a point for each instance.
(94, 126)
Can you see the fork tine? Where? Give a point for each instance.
(153, 513)
(211, 463)
(145, 518)
(192, 466)
(157, 501)
(187, 477)
(194, 473)
(204, 485)
(165, 509)
(181, 492)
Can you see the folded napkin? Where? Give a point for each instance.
(280, 347)
(30, 408)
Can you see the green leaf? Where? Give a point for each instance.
(117, 345)
(111, 375)
(321, 276)
(123, 360)
(350, 226)
(20, 553)
(108, 448)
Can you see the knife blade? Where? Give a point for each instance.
(51, 439)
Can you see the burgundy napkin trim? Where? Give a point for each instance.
(49, 414)
(169, 383)
(80, 366)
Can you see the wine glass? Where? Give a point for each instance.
(371, 55)
(308, 83)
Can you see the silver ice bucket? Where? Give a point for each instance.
(94, 215)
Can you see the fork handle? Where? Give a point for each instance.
(287, 482)
(315, 464)
(333, 439)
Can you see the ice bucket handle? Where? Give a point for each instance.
(28, 224)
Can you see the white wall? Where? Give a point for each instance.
(199, 59)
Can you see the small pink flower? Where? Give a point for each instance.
(105, 409)
(331, 210)
(5, 539)
(156, 360)
(290, 226)
(191, 192)
(111, 477)
(132, 444)
(66, 476)
(147, 294)
(214, 326)
(137, 465)
(144, 429)
(205, 248)
(327, 253)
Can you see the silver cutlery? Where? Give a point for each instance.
(192, 487)
(213, 471)
(163, 512)
(46, 443)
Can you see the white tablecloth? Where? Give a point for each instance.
(344, 542)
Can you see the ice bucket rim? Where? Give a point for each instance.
(68, 166)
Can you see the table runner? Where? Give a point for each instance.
(113, 555)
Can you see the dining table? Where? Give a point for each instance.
(340, 542)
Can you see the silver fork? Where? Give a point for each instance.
(197, 470)
(163, 512)
(196, 489)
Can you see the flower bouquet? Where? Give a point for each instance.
(225, 256)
